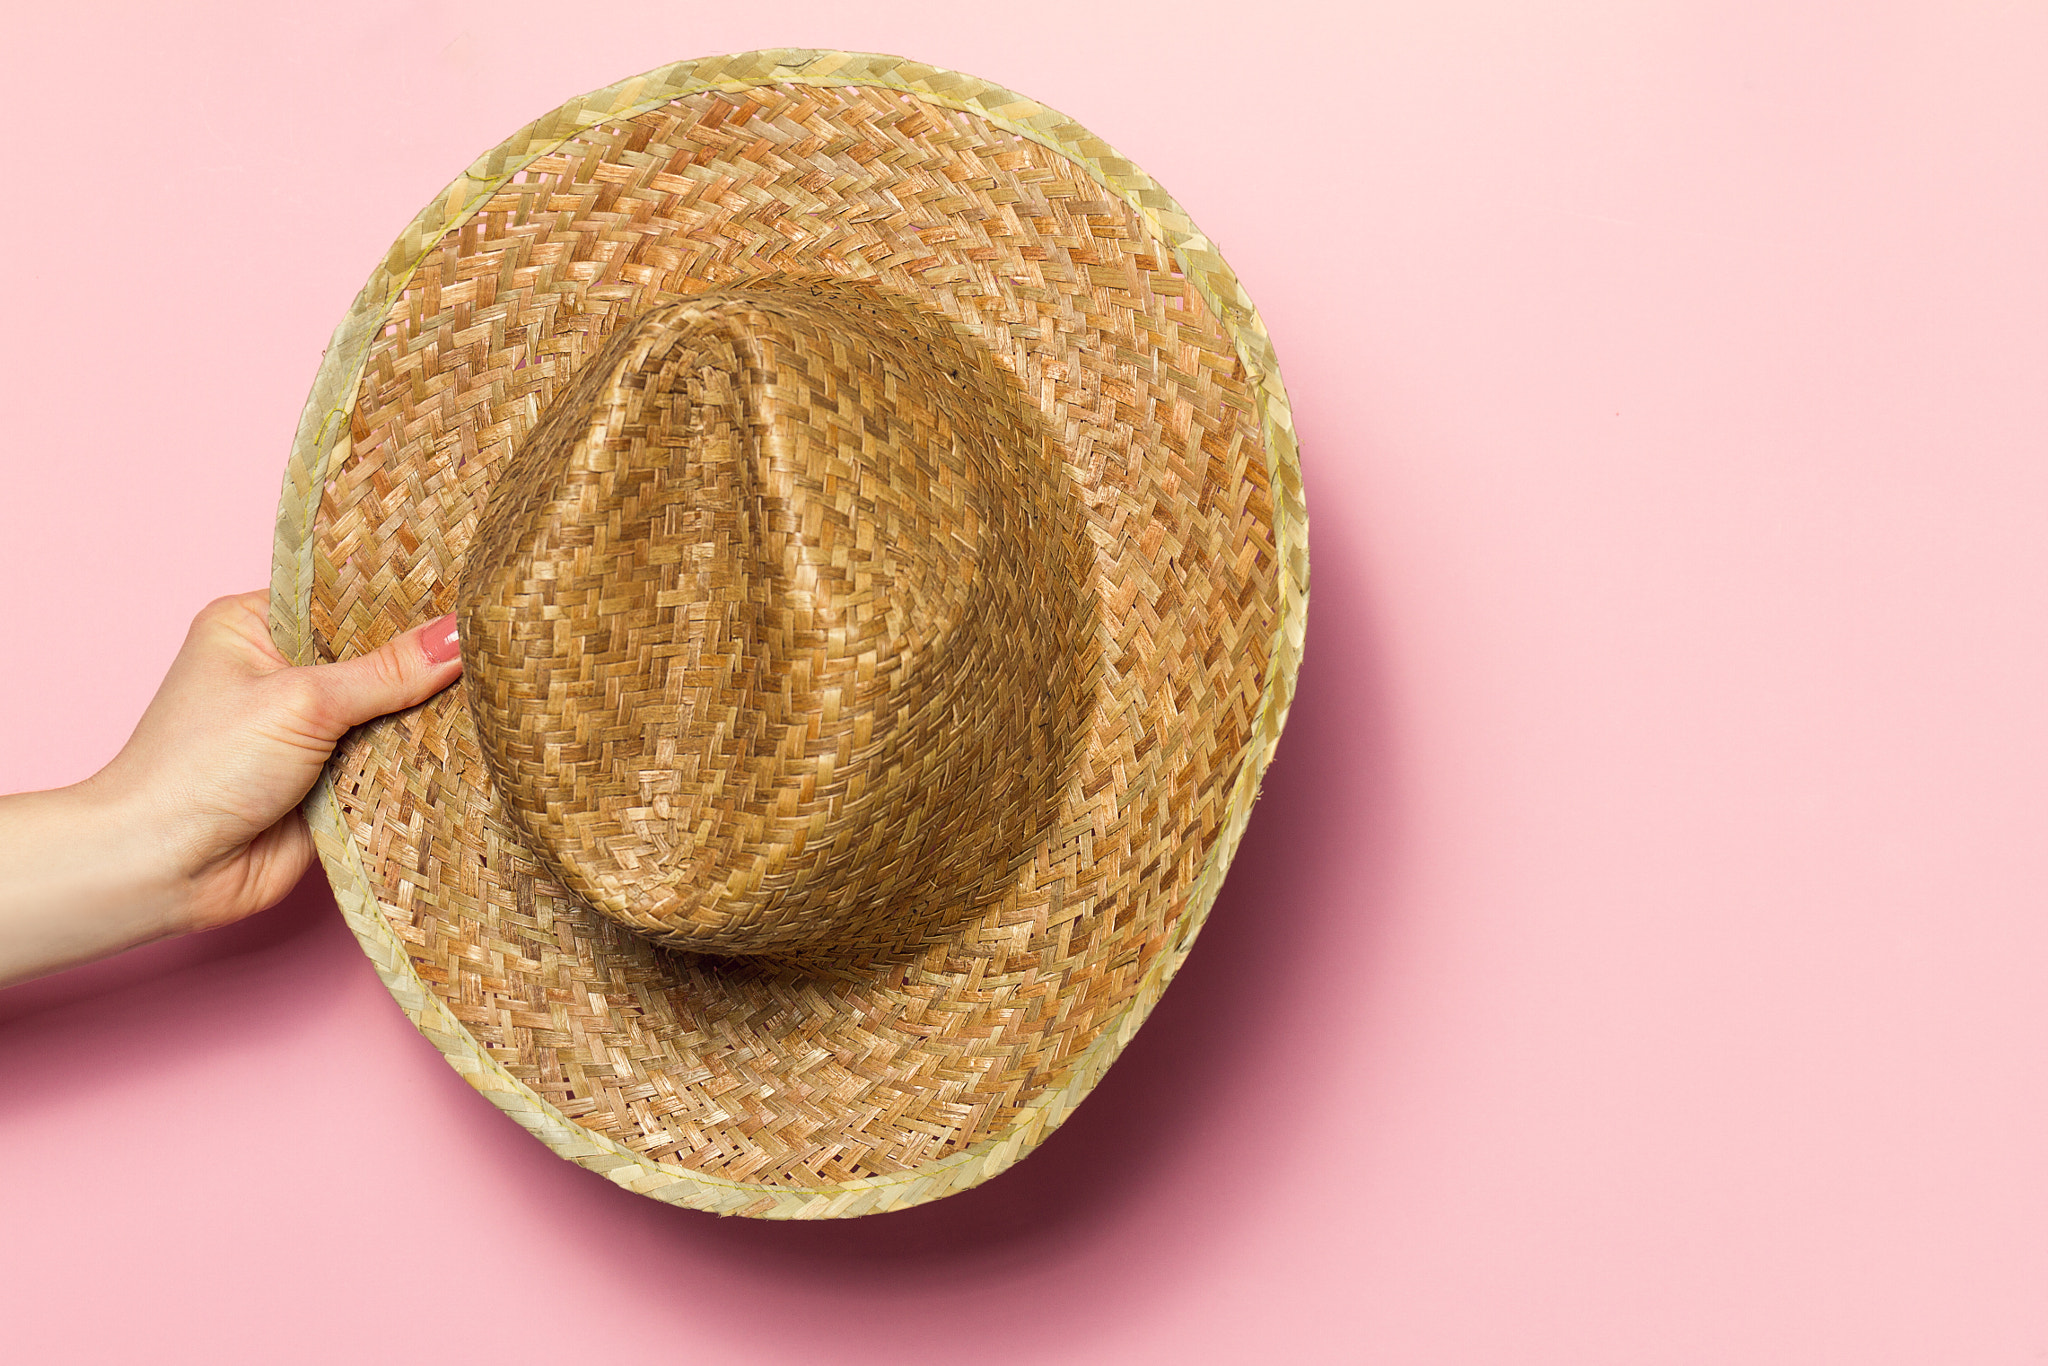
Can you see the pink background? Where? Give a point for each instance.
(1641, 953)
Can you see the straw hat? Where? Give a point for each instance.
(874, 519)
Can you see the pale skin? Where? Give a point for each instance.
(195, 824)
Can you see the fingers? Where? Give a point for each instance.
(232, 633)
(234, 606)
(403, 672)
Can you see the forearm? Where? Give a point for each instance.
(195, 823)
(78, 880)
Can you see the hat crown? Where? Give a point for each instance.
(775, 624)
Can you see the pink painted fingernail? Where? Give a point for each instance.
(440, 640)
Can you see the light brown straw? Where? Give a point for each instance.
(877, 528)
(775, 623)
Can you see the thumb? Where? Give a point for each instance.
(403, 672)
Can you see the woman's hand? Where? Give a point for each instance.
(195, 823)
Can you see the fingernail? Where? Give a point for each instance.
(440, 640)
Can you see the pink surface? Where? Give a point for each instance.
(1640, 953)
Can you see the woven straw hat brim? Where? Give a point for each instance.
(765, 1089)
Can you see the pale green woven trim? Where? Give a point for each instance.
(323, 433)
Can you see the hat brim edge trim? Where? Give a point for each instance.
(322, 431)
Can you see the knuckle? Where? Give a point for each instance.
(237, 615)
(219, 610)
(233, 605)
(301, 695)
(387, 667)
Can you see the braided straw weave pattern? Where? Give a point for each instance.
(1143, 697)
(773, 625)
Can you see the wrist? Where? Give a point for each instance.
(81, 877)
(142, 863)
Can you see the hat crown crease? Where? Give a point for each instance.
(771, 624)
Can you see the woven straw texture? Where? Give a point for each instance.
(1097, 608)
(776, 626)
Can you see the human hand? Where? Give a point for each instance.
(195, 823)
